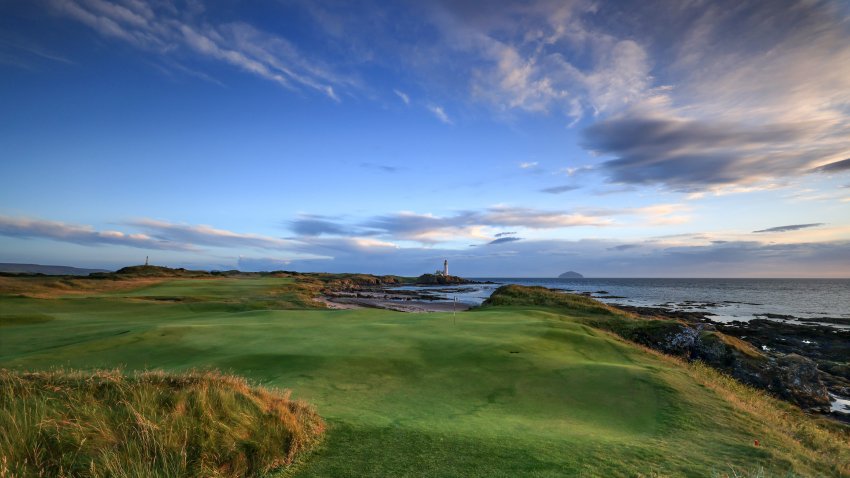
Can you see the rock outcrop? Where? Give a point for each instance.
(434, 279)
(789, 376)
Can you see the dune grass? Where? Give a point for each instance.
(150, 424)
(507, 390)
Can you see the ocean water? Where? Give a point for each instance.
(723, 299)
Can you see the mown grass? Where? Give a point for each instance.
(507, 390)
(150, 424)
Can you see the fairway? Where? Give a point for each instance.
(501, 391)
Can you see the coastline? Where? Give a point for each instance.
(391, 300)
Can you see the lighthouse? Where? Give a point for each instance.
(446, 267)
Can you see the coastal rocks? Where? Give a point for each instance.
(797, 362)
(362, 281)
(434, 279)
(796, 379)
(792, 377)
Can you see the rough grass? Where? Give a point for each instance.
(148, 424)
(49, 287)
(819, 439)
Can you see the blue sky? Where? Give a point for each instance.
(525, 139)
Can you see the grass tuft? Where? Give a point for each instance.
(151, 424)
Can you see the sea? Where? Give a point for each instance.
(723, 300)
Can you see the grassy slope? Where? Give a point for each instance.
(505, 391)
(151, 424)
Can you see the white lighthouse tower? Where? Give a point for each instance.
(446, 267)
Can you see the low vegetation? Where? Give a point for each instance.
(148, 424)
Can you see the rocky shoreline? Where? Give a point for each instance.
(388, 295)
(811, 356)
(398, 300)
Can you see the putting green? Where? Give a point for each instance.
(492, 392)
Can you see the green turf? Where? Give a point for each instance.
(210, 288)
(504, 391)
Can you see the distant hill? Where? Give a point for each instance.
(10, 267)
(571, 275)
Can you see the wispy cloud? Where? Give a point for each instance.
(162, 29)
(440, 114)
(525, 57)
(835, 167)
(84, 235)
(32, 48)
(482, 225)
(528, 165)
(404, 97)
(560, 189)
(314, 225)
(381, 167)
(691, 155)
(148, 234)
(742, 106)
(503, 240)
(623, 247)
(203, 235)
(792, 227)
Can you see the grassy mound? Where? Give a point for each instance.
(151, 424)
(536, 296)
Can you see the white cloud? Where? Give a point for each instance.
(440, 114)
(404, 97)
(83, 234)
(209, 236)
(525, 58)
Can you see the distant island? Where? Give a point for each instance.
(571, 275)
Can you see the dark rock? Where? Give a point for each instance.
(796, 378)
(434, 279)
(789, 376)
(778, 316)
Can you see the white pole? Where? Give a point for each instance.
(454, 319)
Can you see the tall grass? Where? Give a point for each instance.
(823, 440)
(151, 424)
(816, 440)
